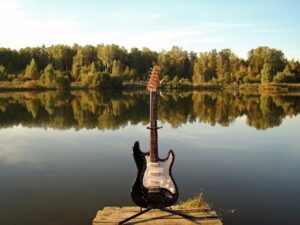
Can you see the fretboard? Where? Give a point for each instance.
(153, 128)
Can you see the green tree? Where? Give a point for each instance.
(77, 64)
(116, 68)
(241, 73)
(205, 67)
(126, 72)
(227, 77)
(31, 71)
(261, 55)
(108, 53)
(133, 74)
(223, 63)
(2, 73)
(11, 60)
(39, 54)
(85, 76)
(60, 56)
(49, 75)
(266, 73)
(93, 68)
(294, 67)
(89, 54)
(148, 58)
(175, 62)
(197, 78)
(285, 76)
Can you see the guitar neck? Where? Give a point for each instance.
(153, 128)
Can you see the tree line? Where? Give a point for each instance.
(111, 64)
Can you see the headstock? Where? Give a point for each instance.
(154, 79)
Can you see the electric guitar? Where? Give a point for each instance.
(154, 186)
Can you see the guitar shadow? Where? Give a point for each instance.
(194, 220)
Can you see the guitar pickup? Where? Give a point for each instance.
(156, 174)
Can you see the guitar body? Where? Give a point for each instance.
(154, 186)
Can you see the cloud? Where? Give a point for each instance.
(163, 37)
(23, 24)
(21, 29)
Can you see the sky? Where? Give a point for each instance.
(194, 25)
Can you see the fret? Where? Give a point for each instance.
(153, 128)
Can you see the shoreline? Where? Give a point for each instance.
(244, 88)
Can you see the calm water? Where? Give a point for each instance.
(63, 156)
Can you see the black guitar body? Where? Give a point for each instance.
(144, 197)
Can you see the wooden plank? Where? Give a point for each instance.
(112, 215)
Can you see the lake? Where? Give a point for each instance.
(65, 155)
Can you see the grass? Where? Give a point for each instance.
(196, 202)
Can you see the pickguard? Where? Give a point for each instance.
(157, 175)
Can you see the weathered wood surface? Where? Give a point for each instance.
(112, 215)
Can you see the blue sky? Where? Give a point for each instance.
(192, 25)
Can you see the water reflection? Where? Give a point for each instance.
(112, 110)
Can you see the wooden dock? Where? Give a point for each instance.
(112, 215)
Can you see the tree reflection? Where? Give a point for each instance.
(112, 110)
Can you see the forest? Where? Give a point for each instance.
(108, 66)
